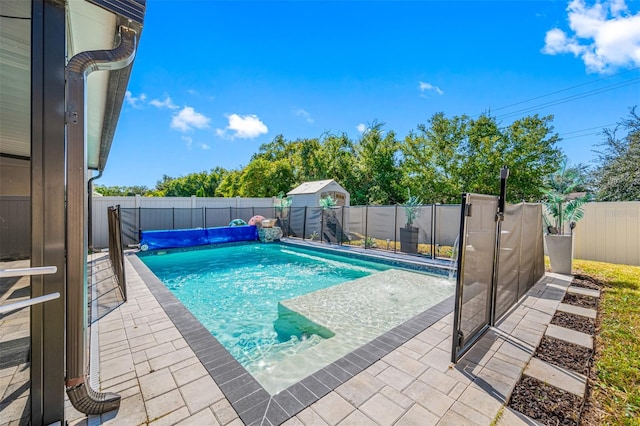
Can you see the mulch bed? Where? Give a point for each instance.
(580, 300)
(564, 354)
(548, 404)
(574, 322)
(545, 403)
(586, 281)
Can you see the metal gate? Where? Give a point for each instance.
(476, 260)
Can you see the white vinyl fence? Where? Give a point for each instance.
(609, 232)
(100, 227)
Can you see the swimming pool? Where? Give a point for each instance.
(248, 296)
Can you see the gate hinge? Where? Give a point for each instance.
(467, 209)
(460, 338)
(71, 117)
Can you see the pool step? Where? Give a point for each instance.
(356, 304)
(291, 324)
(352, 313)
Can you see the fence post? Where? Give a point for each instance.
(366, 224)
(504, 175)
(138, 204)
(395, 229)
(341, 227)
(434, 224)
(204, 217)
(173, 217)
(304, 223)
(139, 224)
(321, 225)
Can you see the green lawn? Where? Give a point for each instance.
(617, 390)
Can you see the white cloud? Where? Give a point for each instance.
(606, 36)
(133, 100)
(188, 119)
(304, 114)
(428, 86)
(361, 127)
(188, 141)
(243, 127)
(205, 146)
(166, 103)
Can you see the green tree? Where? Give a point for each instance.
(122, 191)
(619, 163)
(378, 175)
(201, 183)
(339, 157)
(531, 153)
(264, 178)
(229, 185)
(278, 149)
(449, 156)
(433, 156)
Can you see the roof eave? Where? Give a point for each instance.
(131, 14)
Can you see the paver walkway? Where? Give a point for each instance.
(554, 375)
(145, 359)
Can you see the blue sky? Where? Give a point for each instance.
(213, 80)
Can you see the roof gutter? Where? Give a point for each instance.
(83, 398)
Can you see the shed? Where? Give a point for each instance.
(310, 193)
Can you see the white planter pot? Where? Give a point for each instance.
(560, 251)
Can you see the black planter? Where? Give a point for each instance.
(409, 239)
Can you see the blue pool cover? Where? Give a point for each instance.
(154, 240)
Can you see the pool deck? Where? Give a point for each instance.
(146, 357)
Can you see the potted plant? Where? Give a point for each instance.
(563, 206)
(409, 234)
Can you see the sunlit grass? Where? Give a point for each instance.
(617, 391)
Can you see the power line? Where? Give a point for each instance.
(566, 89)
(590, 128)
(580, 136)
(571, 98)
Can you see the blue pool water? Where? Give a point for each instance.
(234, 291)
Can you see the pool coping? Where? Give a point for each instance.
(251, 401)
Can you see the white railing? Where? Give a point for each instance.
(24, 272)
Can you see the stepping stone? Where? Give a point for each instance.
(557, 376)
(584, 291)
(560, 278)
(511, 417)
(585, 312)
(570, 336)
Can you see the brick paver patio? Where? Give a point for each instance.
(147, 360)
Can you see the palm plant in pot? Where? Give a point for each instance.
(409, 234)
(563, 206)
